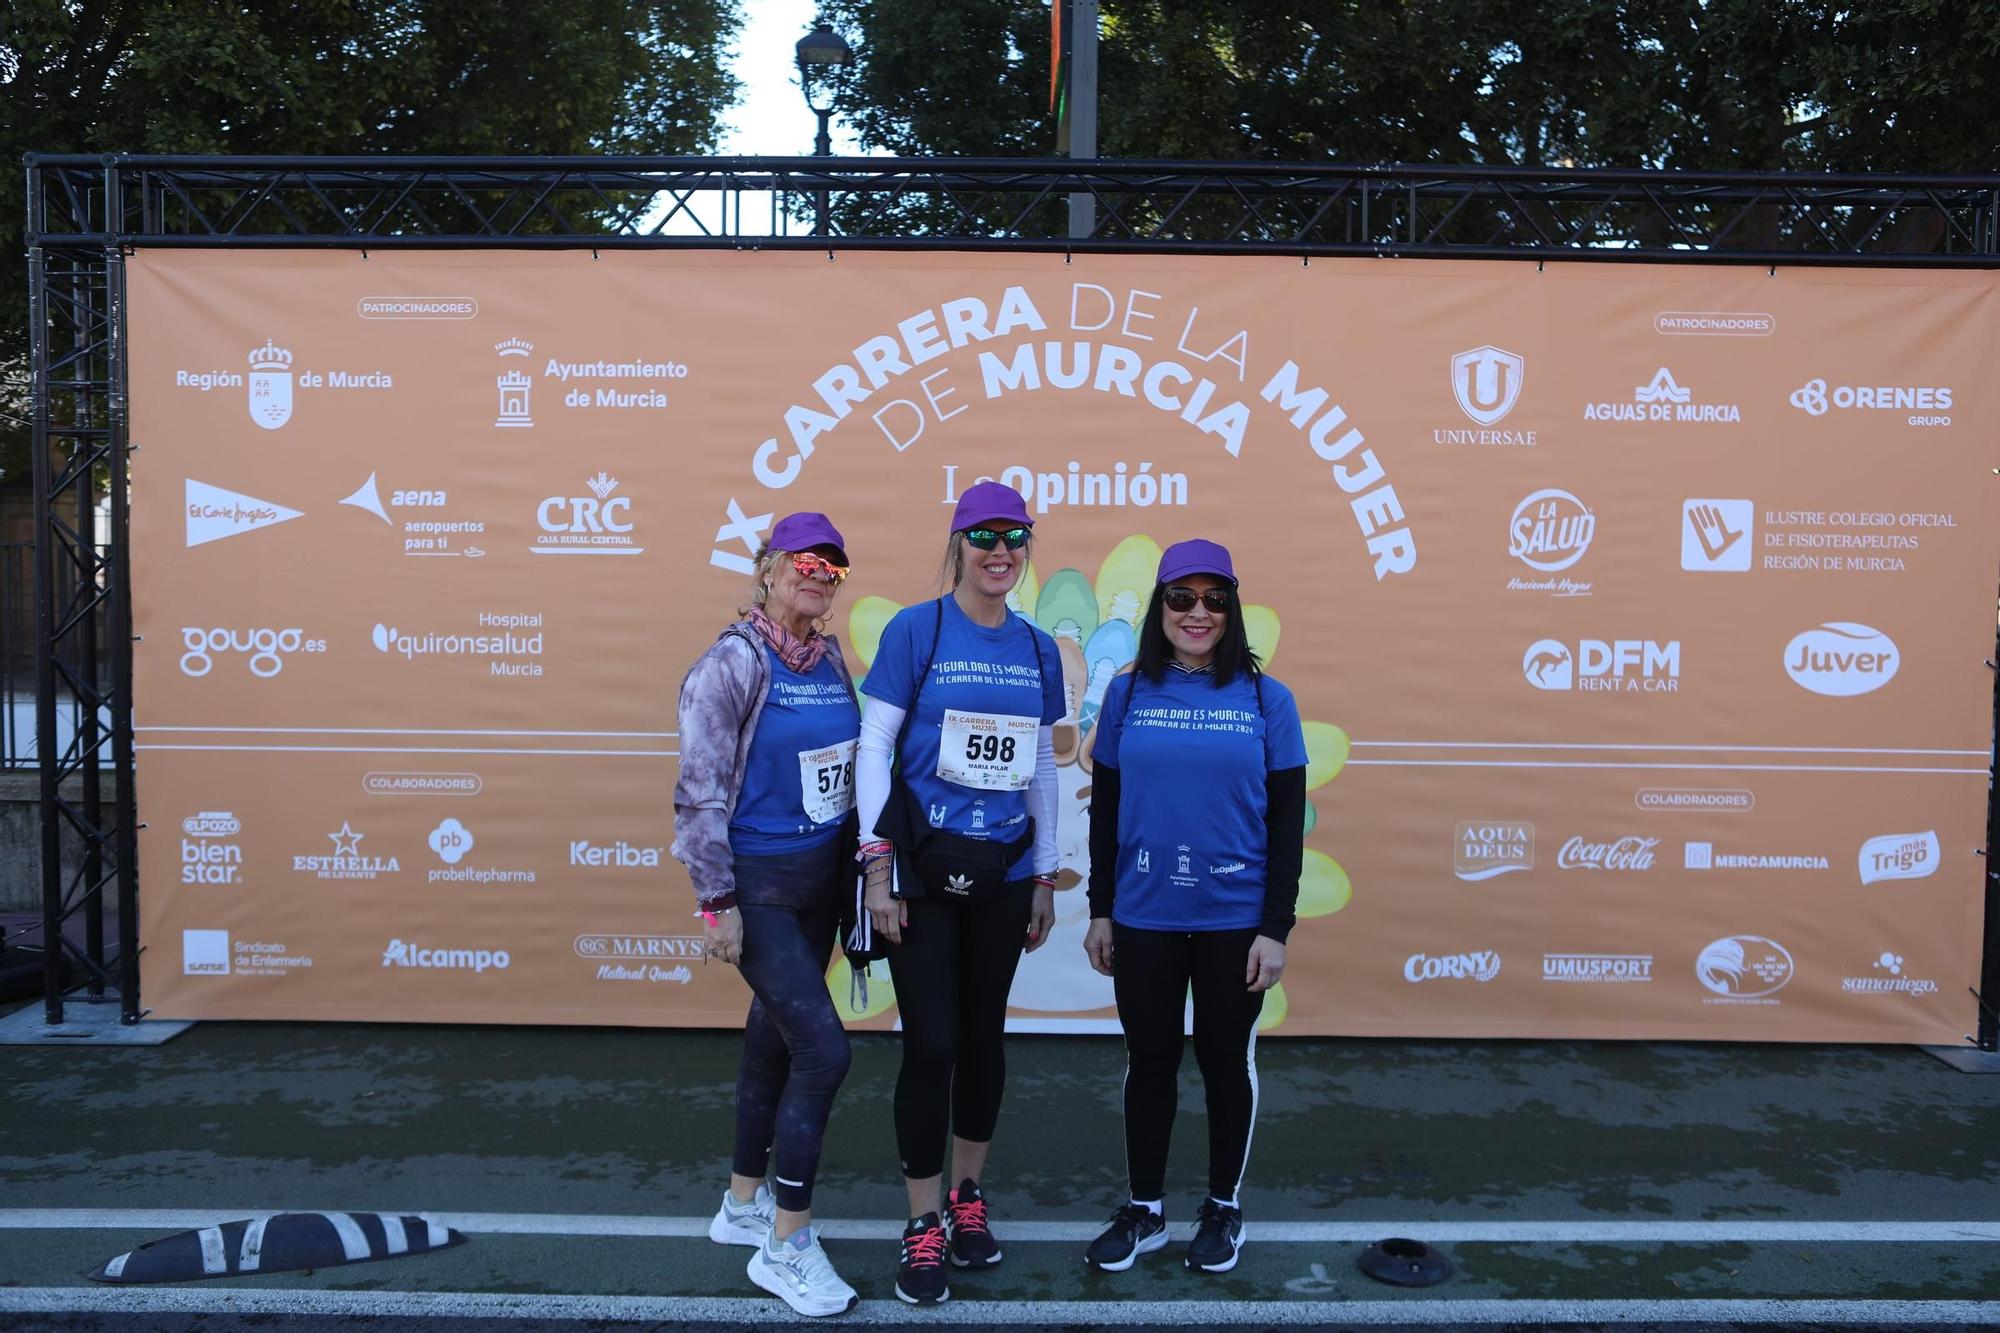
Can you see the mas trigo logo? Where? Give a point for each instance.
(209, 852)
(402, 954)
(1482, 966)
(1485, 848)
(1926, 405)
(599, 523)
(1743, 969)
(1631, 665)
(1841, 658)
(1549, 532)
(265, 649)
(1900, 856)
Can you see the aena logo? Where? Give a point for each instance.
(1744, 967)
(1550, 530)
(1487, 383)
(1841, 658)
(266, 647)
(1601, 664)
(1900, 856)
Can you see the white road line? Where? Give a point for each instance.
(412, 749)
(1415, 1310)
(1435, 1231)
(414, 731)
(1698, 768)
(1640, 745)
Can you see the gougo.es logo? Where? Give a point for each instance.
(266, 648)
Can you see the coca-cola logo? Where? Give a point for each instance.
(1627, 853)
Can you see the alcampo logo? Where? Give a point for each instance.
(401, 954)
(270, 385)
(1842, 659)
(1550, 530)
(1482, 966)
(1744, 967)
(266, 648)
(1900, 856)
(1604, 664)
(596, 524)
(1487, 382)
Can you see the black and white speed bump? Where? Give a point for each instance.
(284, 1242)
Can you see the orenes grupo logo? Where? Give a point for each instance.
(266, 648)
(1744, 967)
(1487, 382)
(1842, 659)
(270, 385)
(451, 840)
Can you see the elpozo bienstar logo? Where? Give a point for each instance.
(1663, 399)
(1842, 659)
(1487, 383)
(1900, 856)
(1926, 405)
(1549, 532)
(1630, 665)
(1485, 848)
(209, 851)
(1743, 969)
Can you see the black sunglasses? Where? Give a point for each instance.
(986, 538)
(1182, 600)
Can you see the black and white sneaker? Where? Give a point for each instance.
(921, 1276)
(1134, 1230)
(973, 1244)
(1218, 1237)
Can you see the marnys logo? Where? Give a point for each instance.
(1743, 969)
(620, 855)
(214, 513)
(400, 954)
(1663, 399)
(1597, 968)
(266, 647)
(1487, 383)
(1885, 977)
(1842, 659)
(1627, 853)
(1618, 664)
(1484, 848)
(1716, 535)
(205, 953)
(1549, 532)
(1927, 405)
(504, 643)
(1482, 967)
(595, 524)
(1703, 856)
(641, 957)
(1900, 856)
(347, 862)
(208, 853)
(420, 536)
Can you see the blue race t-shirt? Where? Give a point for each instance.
(1192, 757)
(798, 782)
(973, 735)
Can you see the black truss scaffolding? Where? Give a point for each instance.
(84, 212)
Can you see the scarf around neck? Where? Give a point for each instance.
(801, 655)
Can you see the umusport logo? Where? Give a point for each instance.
(402, 954)
(1602, 969)
(1743, 969)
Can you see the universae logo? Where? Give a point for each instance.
(1487, 382)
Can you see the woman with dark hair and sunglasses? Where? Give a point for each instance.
(959, 844)
(763, 820)
(1193, 885)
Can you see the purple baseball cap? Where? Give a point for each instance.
(1198, 556)
(990, 501)
(803, 531)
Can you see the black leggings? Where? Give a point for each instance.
(795, 1051)
(1151, 973)
(952, 974)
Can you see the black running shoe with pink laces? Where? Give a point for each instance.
(921, 1278)
(972, 1243)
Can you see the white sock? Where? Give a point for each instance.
(1150, 1205)
(1226, 1203)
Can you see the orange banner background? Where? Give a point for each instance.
(1637, 614)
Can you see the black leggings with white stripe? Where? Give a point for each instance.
(1151, 972)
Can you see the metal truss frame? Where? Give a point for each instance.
(85, 212)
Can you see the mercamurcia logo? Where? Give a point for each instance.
(1842, 659)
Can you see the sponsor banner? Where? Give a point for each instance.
(1660, 591)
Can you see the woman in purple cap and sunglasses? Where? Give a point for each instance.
(1193, 885)
(959, 841)
(763, 820)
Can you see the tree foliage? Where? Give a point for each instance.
(339, 76)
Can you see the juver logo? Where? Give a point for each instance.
(1900, 856)
(1841, 658)
(1487, 382)
(1744, 967)
(270, 385)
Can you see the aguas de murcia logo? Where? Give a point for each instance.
(1663, 399)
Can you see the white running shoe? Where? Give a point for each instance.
(798, 1272)
(744, 1223)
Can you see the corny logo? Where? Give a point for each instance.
(1482, 966)
(1841, 658)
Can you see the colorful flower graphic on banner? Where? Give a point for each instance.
(1095, 625)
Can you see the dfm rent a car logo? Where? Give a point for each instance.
(1604, 664)
(266, 648)
(1744, 967)
(1550, 530)
(1900, 856)
(596, 524)
(1926, 404)
(1482, 966)
(1842, 659)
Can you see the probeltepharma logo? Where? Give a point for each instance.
(209, 854)
(1925, 405)
(1630, 852)
(1549, 532)
(1630, 665)
(1743, 969)
(347, 862)
(452, 841)
(620, 855)
(1900, 856)
(507, 646)
(1487, 383)
(1717, 535)
(1485, 848)
(270, 385)
(1597, 969)
(596, 524)
(214, 512)
(1885, 977)
(1663, 399)
(205, 953)
(1842, 659)
(403, 954)
(265, 650)
(641, 957)
(1481, 966)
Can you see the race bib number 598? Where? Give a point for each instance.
(989, 751)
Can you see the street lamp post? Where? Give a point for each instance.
(820, 52)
